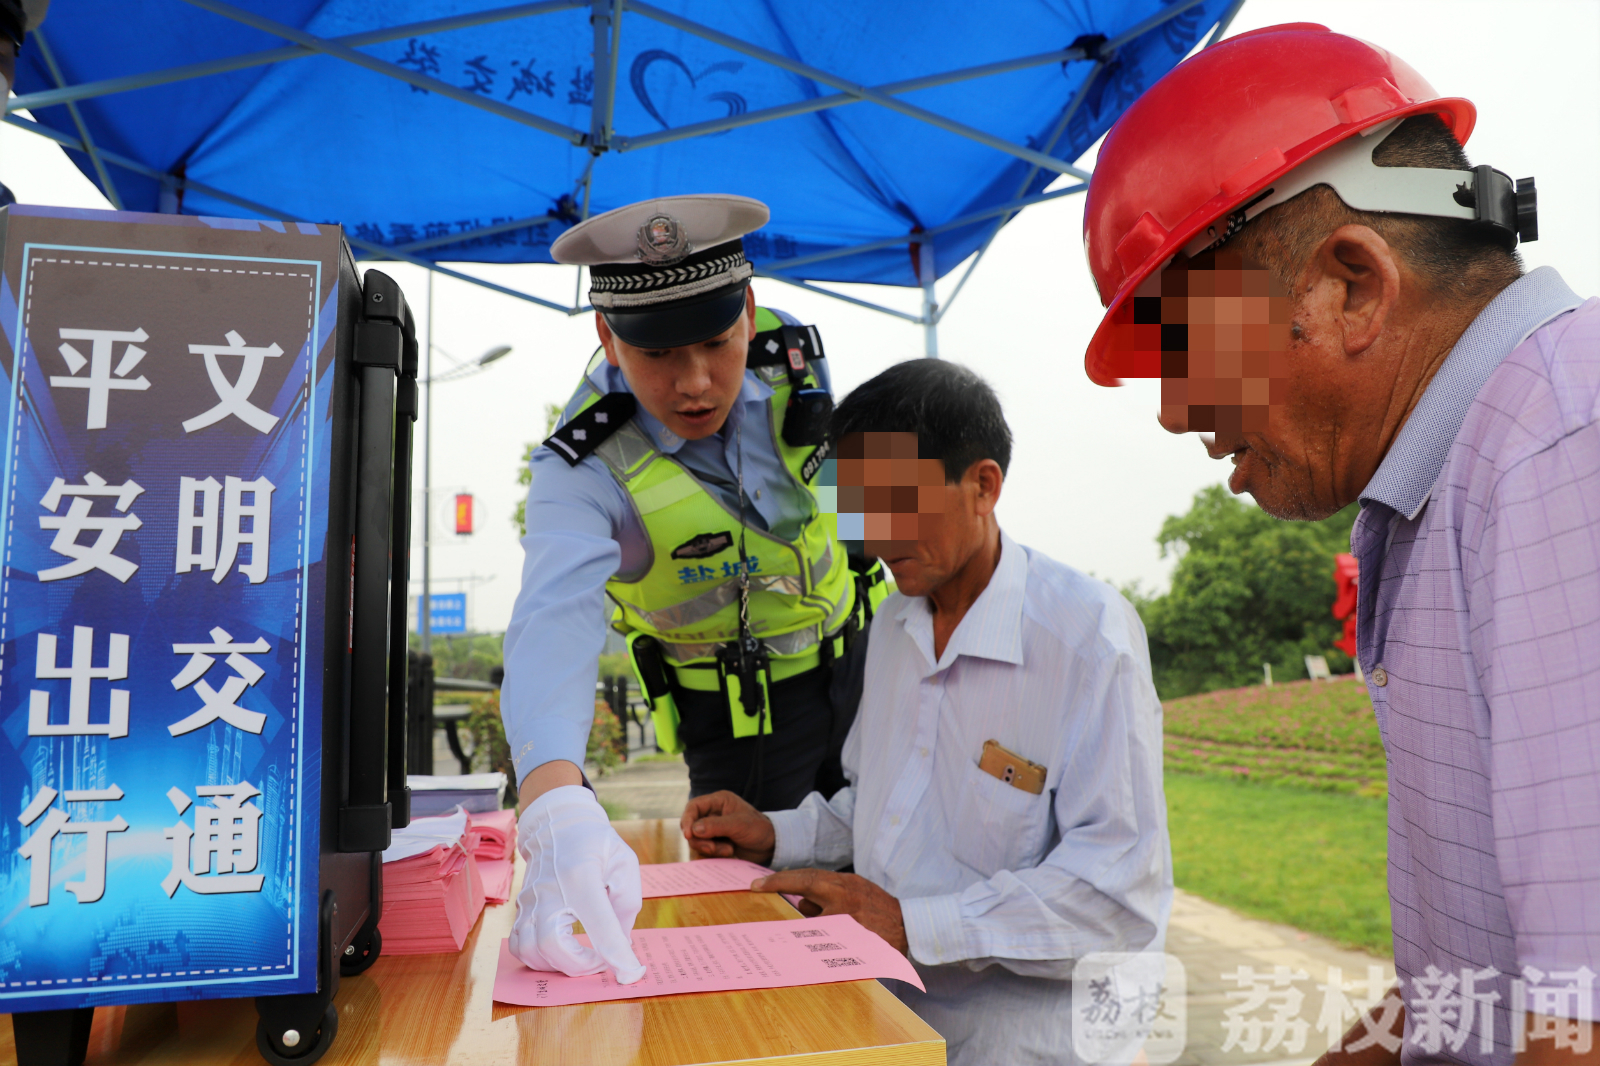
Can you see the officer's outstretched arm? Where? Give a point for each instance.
(578, 870)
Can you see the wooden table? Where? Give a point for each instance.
(437, 1009)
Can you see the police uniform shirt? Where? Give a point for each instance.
(582, 530)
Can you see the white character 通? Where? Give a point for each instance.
(99, 555)
(80, 672)
(100, 381)
(224, 704)
(233, 398)
(36, 849)
(226, 834)
(233, 536)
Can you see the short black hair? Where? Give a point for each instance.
(954, 413)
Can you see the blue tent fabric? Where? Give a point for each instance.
(322, 139)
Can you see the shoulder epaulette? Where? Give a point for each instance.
(771, 347)
(589, 429)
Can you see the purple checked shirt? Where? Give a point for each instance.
(1479, 634)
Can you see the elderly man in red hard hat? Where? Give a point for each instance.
(1286, 230)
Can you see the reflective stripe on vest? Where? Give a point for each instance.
(798, 589)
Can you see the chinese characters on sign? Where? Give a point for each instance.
(694, 574)
(1124, 1002)
(169, 418)
(99, 712)
(227, 832)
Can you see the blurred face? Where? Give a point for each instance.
(1225, 372)
(1225, 329)
(690, 389)
(898, 504)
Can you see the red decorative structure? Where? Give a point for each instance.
(1345, 573)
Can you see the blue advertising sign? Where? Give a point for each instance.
(449, 613)
(164, 496)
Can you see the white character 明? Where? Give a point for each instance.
(224, 704)
(233, 398)
(102, 379)
(100, 554)
(226, 835)
(205, 523)
(36, 849)
(80, 672)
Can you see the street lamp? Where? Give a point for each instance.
(455, 373)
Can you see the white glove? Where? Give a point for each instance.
(578, 869)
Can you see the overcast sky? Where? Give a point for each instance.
(1093, 475)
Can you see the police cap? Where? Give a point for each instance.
(669, 271)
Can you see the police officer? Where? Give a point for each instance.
(680, 486)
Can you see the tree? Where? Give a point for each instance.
(519, 517)
(1248, 589)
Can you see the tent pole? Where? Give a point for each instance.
(390, 70)
(930, 301)
(819, 290)
(425, 605)
(605, 62)
(89, 89)
(106, 184)
(1224, 22)
(823, 103)
(833, 81)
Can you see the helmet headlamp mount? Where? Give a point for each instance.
(1483, 195)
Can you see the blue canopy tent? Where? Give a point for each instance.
(891, 139)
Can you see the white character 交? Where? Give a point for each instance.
(222, 705)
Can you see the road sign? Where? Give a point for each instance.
(449, 614)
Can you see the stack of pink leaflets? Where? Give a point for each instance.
(432, 891)
(492, 839)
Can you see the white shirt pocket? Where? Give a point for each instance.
(995, 826)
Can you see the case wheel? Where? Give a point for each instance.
(308, 1047)
(362, 953)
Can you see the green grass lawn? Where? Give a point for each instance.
(1313, 860)
(1276, 801)
(1314, 735)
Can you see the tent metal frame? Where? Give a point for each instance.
(606, 18)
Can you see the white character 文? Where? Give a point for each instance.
(233, 397)
(101, 379)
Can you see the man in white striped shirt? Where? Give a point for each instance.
(993, 890)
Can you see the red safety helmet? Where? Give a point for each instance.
(1210, 136)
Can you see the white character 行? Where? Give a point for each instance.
(36, 849)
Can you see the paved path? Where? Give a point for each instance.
(1211, 941)
(651, 788)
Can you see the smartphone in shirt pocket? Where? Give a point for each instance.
(1000, 822)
